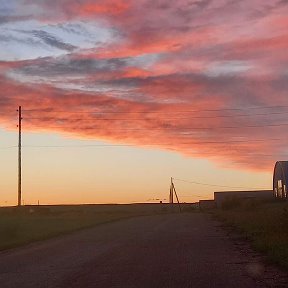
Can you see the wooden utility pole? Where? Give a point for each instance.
(171, 197)
(171, 200)
(177, 197)
(19, 156)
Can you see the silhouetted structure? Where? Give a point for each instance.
(171, 194)
(207, 204)
(222, 197)
(280, 179)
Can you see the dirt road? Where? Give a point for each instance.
(177, 250)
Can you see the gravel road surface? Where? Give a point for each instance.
(176, 250)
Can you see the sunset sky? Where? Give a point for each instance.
(118, 96)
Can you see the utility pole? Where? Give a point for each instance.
(171, 196)
(19, 156)
(179, 205)
(171, 200)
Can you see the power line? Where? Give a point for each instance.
(49, 110)
(173, 128)
(194, 153)
(77, 146)
(9, 147)
(216, 185)
(170, 118)
(147, 144)
(194, 196)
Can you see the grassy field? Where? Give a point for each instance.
(19, 226)
(264, 223)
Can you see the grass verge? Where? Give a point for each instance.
(264, 223)
(28, 224)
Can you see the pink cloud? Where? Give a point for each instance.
(169, 79)
(157, 124)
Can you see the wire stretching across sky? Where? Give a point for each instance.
(167, 118)
(216, 185)
(50, 110)
(144, 144)
(165, 126)
(173, 127)
(176, 129)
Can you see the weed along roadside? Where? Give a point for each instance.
(27, 224)
(263, 223)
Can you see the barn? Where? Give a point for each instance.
(280, 179)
